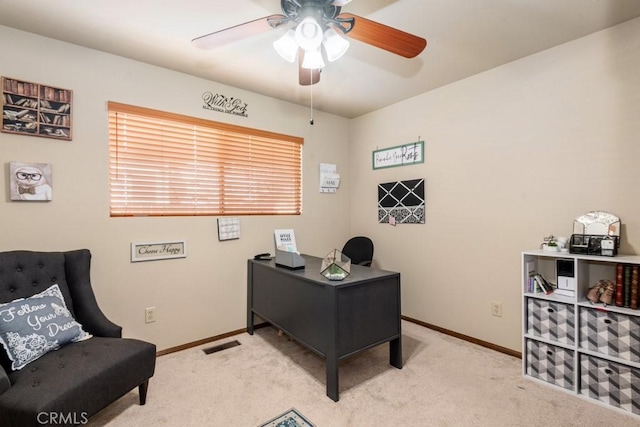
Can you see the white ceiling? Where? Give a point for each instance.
(464, 37)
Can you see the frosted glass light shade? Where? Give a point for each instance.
(286, 46)
(334, 45)
(313, 60)
(309, 34)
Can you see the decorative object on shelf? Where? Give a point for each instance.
(596, 233)
(30, 181)
(602, 292)
(537, 283)
(403, 201)
(562, 243)
(36, 109)
(550, 244)
(335, 265)
(627, 278)
(566, 283)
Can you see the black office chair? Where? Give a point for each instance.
(360, 250)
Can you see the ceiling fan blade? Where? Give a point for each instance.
(306, 76)
(238, 32)
(384, 37)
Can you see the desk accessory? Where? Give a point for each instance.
(596, 233)
(287, 254)
(335, 265)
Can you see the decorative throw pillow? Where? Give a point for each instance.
(31, 327)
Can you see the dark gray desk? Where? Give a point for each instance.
(334, 319)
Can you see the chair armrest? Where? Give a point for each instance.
(85, 307)
(5, 382)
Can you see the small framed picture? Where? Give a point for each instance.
(228, 229)
(30, 181)
(151, 251)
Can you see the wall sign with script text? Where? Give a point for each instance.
(401, 155)
(224, 104)
(158, 250)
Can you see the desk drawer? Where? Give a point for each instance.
(609, 382)
(549, 363)
(609, 333)
(550, 320)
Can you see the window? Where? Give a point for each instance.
(164, 164)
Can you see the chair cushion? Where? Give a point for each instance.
(25, 273)
(31, 327)
(79, 379)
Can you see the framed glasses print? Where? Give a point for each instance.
(30, 181)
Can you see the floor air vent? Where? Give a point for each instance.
(220, 347)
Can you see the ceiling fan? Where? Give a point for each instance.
(316, 22)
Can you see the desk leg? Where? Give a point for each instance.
(250, 317)
(332, 378)
(395, 352)
(250, 321)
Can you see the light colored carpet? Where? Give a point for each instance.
(444, 382)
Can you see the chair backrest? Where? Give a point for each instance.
(25, 273)
(360, 250)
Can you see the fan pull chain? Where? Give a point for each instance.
(311, 89)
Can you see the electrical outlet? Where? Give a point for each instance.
(149, 315)
(496, 308)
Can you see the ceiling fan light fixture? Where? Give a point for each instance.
(312, 60)
(309, 34)
(334, 45)
(286, 46)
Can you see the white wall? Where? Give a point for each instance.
(512, 155)
(198, 297)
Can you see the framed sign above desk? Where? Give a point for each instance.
(401, 155)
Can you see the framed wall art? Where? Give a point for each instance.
(228, 228)
(401, 155)
(158, 250)
(36, 109)
(401, 202)
(30, 181)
